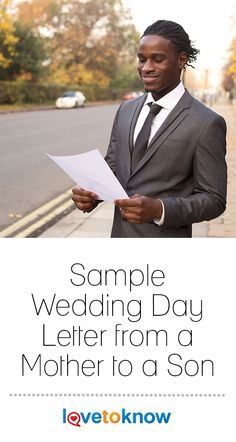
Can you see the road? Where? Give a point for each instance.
(28, 178)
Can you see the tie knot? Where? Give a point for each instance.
(154, 108)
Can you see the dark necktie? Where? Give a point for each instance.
(141, 142)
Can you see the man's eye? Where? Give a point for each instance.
(141, 60)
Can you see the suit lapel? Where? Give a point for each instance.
(176, 116)
(131, 120)
(134, 120)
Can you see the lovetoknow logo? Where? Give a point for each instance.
(114, 417)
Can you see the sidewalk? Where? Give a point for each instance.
(98, 223)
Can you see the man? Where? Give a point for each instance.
(179, 177)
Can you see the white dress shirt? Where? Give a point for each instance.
(168, 102)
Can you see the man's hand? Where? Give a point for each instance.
(140, 209)
(83, 199)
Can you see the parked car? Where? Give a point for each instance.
(70, 99)
(131, 95)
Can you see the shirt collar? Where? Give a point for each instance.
(169, 100)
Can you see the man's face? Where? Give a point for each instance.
(159, 65)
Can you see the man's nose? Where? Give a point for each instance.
(148, 66)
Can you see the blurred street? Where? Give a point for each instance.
(28, 178)
(98, 223)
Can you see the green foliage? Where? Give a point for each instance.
(90, 44)
(40, 93)
(7, 38)
(127, 78)
(30, 53)
(23, 92)
(90, 39)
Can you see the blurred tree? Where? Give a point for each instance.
(127, 78)
(228, 82)
(90, 39)
(229, 71)
(28, 59)
(8, 39)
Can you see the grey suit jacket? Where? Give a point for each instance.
(184, 166)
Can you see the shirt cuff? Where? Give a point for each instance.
(160, 221)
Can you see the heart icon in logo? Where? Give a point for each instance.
(74, 418)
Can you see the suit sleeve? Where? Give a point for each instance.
(208, 199)
(110, 157)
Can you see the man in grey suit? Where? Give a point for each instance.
(166, 148)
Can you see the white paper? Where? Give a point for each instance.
(91, 172)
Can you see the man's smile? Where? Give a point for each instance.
(149, 76)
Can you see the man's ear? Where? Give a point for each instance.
(183, 58)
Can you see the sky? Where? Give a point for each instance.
(209, 23)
